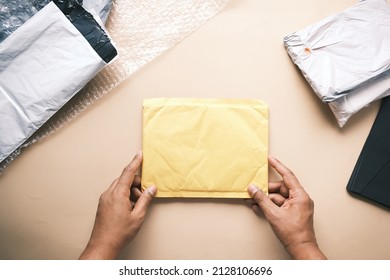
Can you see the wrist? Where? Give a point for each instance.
(100, 250)
(305, 251)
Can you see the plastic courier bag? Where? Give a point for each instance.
(89, 27)
(14, 13)
(142, 30)
(42, 65)
(344, 107)
(101, 7)
(345, 54)
(205, 147)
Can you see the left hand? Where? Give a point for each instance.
(119, 218)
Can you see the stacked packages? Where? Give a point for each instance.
(346, 57)
(49, 51)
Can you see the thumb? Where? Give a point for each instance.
(261, 199)
(145, 199)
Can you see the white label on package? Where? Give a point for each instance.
(42, 65)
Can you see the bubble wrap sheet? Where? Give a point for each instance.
(142, 30)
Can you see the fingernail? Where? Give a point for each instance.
(252, 189)
(139, 154)
(152, 190)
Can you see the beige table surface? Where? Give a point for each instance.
(48, 196)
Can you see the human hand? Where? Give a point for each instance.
(289, 210)
(119, 218)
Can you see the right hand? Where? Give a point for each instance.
(289, 210)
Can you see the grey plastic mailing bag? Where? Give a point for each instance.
(14, 13)
(346, 57)
(344, 107)
(42, 65)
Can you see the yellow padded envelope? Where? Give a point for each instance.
(204, 147)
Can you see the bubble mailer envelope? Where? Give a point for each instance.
(205, 147)
(345, 54)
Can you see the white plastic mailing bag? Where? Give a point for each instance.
(42, 65)
(346, 54)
